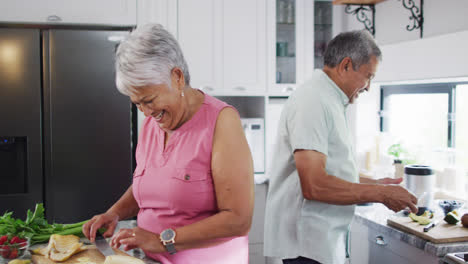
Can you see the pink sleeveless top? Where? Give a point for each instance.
(174, 186)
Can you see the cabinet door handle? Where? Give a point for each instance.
(288, 89)
(54, 18)
(379, 240)
(116, 39)
(240, 88)
(207, 88)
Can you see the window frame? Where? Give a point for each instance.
(429, 88)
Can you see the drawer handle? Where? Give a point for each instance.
(240, 88)
(379, 240)
(54, 18)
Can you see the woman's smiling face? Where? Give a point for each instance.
(162, 103)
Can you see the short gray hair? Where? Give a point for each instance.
(147, 56)
(359, 45)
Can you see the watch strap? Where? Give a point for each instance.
(170, 247)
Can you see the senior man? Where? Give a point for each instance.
(314, 183)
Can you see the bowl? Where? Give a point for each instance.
(12, 247)
(449, 205)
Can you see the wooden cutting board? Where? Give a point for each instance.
(92, 255)
(441, 233)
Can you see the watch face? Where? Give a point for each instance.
(167, 234)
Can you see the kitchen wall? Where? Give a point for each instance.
(440, 54)
(440, 17)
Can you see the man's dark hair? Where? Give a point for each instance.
(358, 45)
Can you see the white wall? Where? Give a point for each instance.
(391, 19)
(440, 54)
(443, 56)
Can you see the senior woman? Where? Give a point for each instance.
(193, 185)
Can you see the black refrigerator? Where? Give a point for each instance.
(67, 136)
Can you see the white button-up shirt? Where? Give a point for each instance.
(313, 118)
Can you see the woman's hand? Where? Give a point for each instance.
(107, 220)
(137, 238)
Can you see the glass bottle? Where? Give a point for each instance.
(290, 12)
(281, 11)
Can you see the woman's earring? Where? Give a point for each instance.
(182, 94)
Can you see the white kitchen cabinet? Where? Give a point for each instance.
(274, 107)
(256, 254)
(199, 35)
(256, 231)
(371, 246)
(102, 12)
(243, 44)
(224, 45)
(298, 31)
(290, 27)
(163, 12)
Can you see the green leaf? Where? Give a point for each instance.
(396, 150)
(36, 226)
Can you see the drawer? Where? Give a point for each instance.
(372, 246)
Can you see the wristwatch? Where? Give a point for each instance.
(168, 239)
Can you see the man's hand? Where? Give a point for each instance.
(397, 198)
(389, 181)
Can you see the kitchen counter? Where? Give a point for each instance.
(375, 217)
(138, 253)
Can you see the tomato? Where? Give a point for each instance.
(3, 239)
(5, 251)
(14, 240)
(13, 254)
(22, 242)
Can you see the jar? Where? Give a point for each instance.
(281, 49)
(281, 11)
(420, 179)
(290, 12)
(399, 169)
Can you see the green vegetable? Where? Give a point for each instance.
(36, 226)
(452, 218)
(423, 219)
(428, 214)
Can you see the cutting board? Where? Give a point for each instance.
(441, 233)
(93, 255)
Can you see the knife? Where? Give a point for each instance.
(103, 245)
(429, 226)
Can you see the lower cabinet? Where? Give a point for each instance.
(372, 246)
(256, 231)
(256, 255)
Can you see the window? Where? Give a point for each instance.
(430, 121)
(417, 115)
(461, 128)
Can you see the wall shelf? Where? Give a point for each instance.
(357, 2)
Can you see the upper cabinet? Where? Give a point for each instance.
(223, 42)
(199, 35)
(243, 43)
(102, 12)
(297, 33)
(323, 30)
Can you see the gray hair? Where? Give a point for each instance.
(147, 56)
(359, 45)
